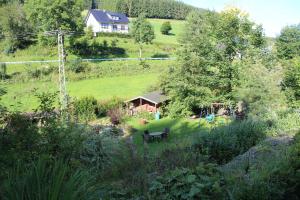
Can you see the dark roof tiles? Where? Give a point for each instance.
(155, 97)
(104, 16)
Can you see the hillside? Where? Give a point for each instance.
(166, 9)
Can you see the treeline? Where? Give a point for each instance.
(166, 9)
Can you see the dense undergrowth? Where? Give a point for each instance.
(42, 161)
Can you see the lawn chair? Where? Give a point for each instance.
(166, 133)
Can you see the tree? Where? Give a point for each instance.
(291, 82)
(48, 15)
(206, 72)
(142, 32)
(166, 28)
(16, 29)
(288, 43)
(258, 86)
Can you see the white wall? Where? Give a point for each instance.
(97, 27)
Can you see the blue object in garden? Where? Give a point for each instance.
(210, 118)
(157, 115)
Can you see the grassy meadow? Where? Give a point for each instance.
(104, 80)
(21, 96)
(162, 45)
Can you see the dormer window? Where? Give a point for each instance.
(115, 17)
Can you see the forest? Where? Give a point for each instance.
(95, 149)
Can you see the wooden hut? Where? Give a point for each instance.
(150, 102)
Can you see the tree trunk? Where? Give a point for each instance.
(140, 54)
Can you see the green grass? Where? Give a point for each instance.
(177, 30)
(21, 95)
(182, 132)
(162, 45)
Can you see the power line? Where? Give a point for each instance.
(85, 60)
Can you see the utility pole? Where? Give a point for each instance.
(62, 78)
(62, 56)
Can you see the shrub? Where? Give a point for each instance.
(77, 66)
(105, 106)
(166, 28)
(145, 115)
(223, 143)
(204, 182)
(116, 115)
(46, 179)
(85, 108)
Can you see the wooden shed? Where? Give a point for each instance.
(150, 102)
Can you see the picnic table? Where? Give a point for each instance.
(156, 135)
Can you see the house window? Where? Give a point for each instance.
(115, 17)
(104, 26)
(115, 27)
(123, 27)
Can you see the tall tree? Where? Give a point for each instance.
(16, 29)
(47, 15)
(291, 82)
(288, 43)
(206, 72)
(142, 32)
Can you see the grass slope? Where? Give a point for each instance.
(21, 96)
(162, 44)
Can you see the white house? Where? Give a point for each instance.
(106, 21)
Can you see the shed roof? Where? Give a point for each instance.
(155, 97)
(103, 16)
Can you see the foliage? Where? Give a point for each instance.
(15, 27)
(3, 71)
(100, 150)
(85, 46)
(205, 72)
(85, 108)
(223, 143)
(116, 115)
(77, 66)
(142, 32)
(257, 87)
(47, 179)
(54, 15)
(204, 182)
(291, 82)
(164, 9)
(288, 42)
(166, 28)
(145, 115)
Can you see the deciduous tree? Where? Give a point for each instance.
(142, 32)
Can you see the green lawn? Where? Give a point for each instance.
(21, 95)
(177, 30)
(182, 132)
(162, 45)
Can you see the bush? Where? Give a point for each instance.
(77, 66)
(166, 28)
(145, 115)
(45, 179)
(105, 106)
(85, 109)
(204, 182)
(116, 115)
(223, 143)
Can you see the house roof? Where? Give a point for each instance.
(155, 97)
(103, 16)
